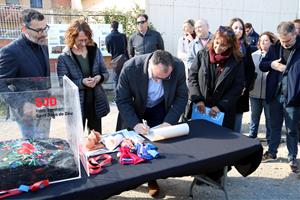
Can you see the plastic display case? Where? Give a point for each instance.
(40, 126)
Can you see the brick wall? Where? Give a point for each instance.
(4, 42)
(61, 3)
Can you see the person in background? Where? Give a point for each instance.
(297, 26)
(283, 91)
(203, 36)
(184, 42)
(216, 77)
(116, 45)
(145, 40)
(27, 57)
(151, 87)
(83, 63)
(258, 94)
(249, 71)
(252, 36)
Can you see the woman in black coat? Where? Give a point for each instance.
(249, 71)
(216, 76)
(83, 63)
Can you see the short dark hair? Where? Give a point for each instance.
(285, 28)
(142, 15)
(162, 57)
(114, 25)
(30, 14)
(248, 25)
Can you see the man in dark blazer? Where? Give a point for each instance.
(151, 87)
(27, 57)
(283, 91)
(116, 45)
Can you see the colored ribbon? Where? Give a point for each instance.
(24, 188)
(94, 164)
(127, 158)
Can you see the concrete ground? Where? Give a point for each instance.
(273, 180)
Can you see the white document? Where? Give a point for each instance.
(156, 134)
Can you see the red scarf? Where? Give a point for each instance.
(219, 59)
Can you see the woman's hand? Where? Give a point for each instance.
(88, 82)
(201, 107)
(214, 111)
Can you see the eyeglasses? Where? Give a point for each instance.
(226, 30)
(141, 22)
(40, 30)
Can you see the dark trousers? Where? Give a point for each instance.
(279, 112)
(90, 116)
(155, 115)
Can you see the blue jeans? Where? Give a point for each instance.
(278, 112)
(257, 105)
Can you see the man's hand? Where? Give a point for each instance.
(201, 107)
(276, 65)
(141, 129)
(29, 109)
(214, 111)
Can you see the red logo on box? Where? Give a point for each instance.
(45, 101)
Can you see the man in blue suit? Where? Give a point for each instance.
(26, 57)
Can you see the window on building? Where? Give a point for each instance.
(36, 3)
(12, 2)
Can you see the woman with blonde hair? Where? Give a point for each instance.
(83, 63)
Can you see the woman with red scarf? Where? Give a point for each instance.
(216, 78)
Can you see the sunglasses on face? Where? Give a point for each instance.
(40, 30)
(140, 22)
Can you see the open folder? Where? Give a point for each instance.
(218, 119)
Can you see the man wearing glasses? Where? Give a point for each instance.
(144, 40)
(151, 87)
(27, 57)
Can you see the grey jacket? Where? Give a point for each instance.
(259, 89)
(67, 65)
(196, 46)
(139, 44)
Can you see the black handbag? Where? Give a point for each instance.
(118, 62)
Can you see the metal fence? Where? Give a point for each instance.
(11, 21)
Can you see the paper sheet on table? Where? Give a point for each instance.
(216, 120)
(156, 134)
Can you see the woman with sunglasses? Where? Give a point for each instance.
(83, 63)
(248, 71)
(216, 76)
(258, 94)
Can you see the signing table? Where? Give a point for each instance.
(207, 148)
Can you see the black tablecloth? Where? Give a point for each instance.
(207, 148)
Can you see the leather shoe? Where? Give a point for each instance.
(153, 188)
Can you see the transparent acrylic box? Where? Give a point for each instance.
(40, 127)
